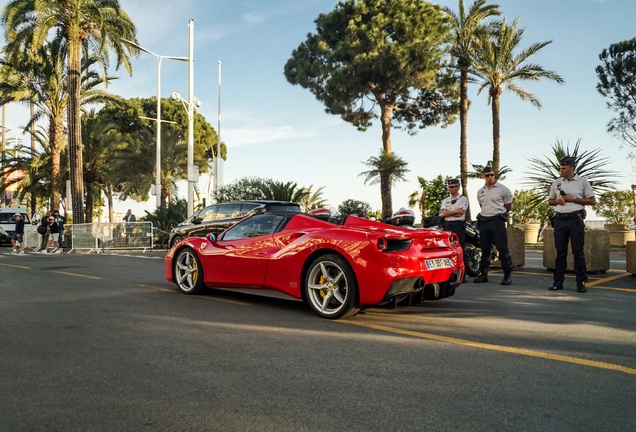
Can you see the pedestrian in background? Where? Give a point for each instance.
(453, 210)
(569, 194)
(43, 230)
(60, 220)
(495, 201)
(129, 217)
(54, 233)
(18, 235)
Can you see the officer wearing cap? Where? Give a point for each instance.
(495, 201)
(569, 194)
(453, 210)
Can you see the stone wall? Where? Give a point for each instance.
(597, 252)
(630, 257)
(517, 247)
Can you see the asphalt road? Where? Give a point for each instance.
(105, 343)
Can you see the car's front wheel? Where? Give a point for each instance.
(176, 240)
(331, 288)
(188, 272)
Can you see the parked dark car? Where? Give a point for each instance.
(216, 218)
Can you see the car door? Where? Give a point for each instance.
(244, 251)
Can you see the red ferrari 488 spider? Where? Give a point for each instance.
(337, 268)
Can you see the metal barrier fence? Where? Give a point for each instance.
(31, 237)
(99, 237)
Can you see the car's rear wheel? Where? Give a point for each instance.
(472, 257)
(331, 288)
(188, 272)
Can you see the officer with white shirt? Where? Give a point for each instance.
(453, 210)
(495, 200)
(569, 194)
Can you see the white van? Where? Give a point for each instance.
(7, 222)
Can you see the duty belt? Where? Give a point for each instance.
(569, 216)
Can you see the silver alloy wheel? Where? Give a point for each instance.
(328, 288)
(187, 272)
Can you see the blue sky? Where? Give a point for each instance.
(276, 130)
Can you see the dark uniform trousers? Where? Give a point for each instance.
(492, 230)
(459, 228)
(572, 229)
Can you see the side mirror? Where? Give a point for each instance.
(211, 238)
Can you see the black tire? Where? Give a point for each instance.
(472, 257)
(188, 272)
(331, 288)
(175, 240)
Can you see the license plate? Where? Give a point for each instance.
(437, 263)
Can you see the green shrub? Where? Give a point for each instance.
(616, 206)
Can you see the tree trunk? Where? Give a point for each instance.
(56, 135)
(385, 178)
(109, 197)
(385, 191)
(463, 137)
(3, 132)
(33, 196)
(494, 103)
(74, 126)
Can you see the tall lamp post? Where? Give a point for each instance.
(217, 160)
(193, 170)
(158, 119)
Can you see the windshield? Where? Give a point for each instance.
(7, 218)
(255, 226)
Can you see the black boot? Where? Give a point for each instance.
(507, 280)
(483, 277)
(556, 286)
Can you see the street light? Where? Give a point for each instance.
(4, 140)
(158, 119)
(217, 160)
(193, 171)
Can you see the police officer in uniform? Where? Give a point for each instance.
(453, 210)
(495, 201)
(568, 195)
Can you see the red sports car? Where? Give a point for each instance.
(337, 268)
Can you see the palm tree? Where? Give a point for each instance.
(173, 147)
(589, 164)
(289, 191)
(101, 23)
(385, 169)
(32, 169)
(477, 173)
(497, 67)
(98, 150)
(430, 196)
(313, 200)
(467, 28)
(39, 80)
